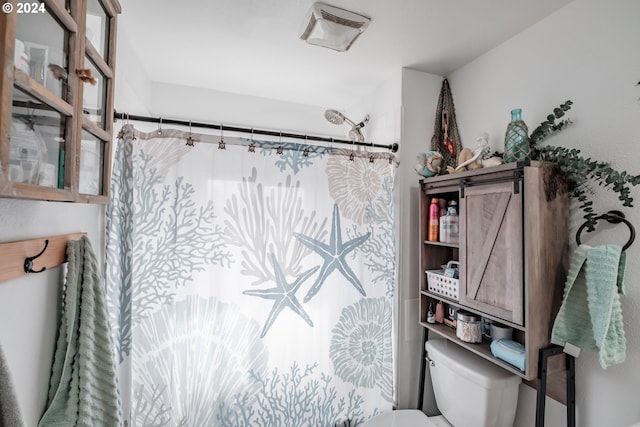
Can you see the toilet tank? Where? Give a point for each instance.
(470, 390)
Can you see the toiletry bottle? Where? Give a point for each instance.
(430, 316)
(444, 229)
(453, 227)
(439, 312)
(442, 203)
(442, 219)
(453, 204)
(434, 211)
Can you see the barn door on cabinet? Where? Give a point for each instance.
(492, 250)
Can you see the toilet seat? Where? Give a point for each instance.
(400, 418)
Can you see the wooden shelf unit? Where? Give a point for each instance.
(520, 212)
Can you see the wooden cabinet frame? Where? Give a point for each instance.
(73, 21)
(536, 215)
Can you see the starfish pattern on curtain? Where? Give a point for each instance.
(284, 295)
(334, 255)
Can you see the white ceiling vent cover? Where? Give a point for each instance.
(332, 27)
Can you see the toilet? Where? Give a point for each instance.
(469, 390)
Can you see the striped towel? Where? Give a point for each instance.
(591, 314)
(10, 415)
(83, 389)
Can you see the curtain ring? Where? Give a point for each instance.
(190, 141)
(305, 152)
(353, 152)
(371, 157)
(125, 122)
(221, 144)
(279, 150)
(252, 145)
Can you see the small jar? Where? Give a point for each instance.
(431, 318)
(469, 327)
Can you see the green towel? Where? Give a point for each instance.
(591, 314)
(10, 415)
(83, 389)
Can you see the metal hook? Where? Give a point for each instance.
(190, 137)
(371, 157)
(305, 152)
(353, 152)
(125, 122)
(279, 149)
(221, 144)
(31, 119)
(160, 127)
(28, 262)
(252, 145)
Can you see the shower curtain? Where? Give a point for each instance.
(250, 283)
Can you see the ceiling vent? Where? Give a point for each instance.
(332, 27)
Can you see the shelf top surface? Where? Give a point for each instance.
(506, 167)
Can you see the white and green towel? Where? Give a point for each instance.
(83, 389)
(591, 314)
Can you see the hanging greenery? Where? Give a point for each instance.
(578, 170)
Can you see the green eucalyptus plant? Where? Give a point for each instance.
(577, 170)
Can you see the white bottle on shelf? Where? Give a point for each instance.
(449, 228)
(444, 229)
(454, 228)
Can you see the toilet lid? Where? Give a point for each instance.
(400, 418)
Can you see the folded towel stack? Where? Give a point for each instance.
(591, 314)
(510, 351)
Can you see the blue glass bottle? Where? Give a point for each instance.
(516, 141)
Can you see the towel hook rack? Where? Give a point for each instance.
(613, 217)
(28, 261)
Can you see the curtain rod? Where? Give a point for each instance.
(124, 116)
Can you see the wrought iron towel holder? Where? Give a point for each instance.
(613, 217)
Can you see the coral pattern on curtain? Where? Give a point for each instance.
(250, 283)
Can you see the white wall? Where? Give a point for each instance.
(133, 88)
(587, 52)
(420, 93)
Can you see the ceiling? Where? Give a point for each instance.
(252, 47)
